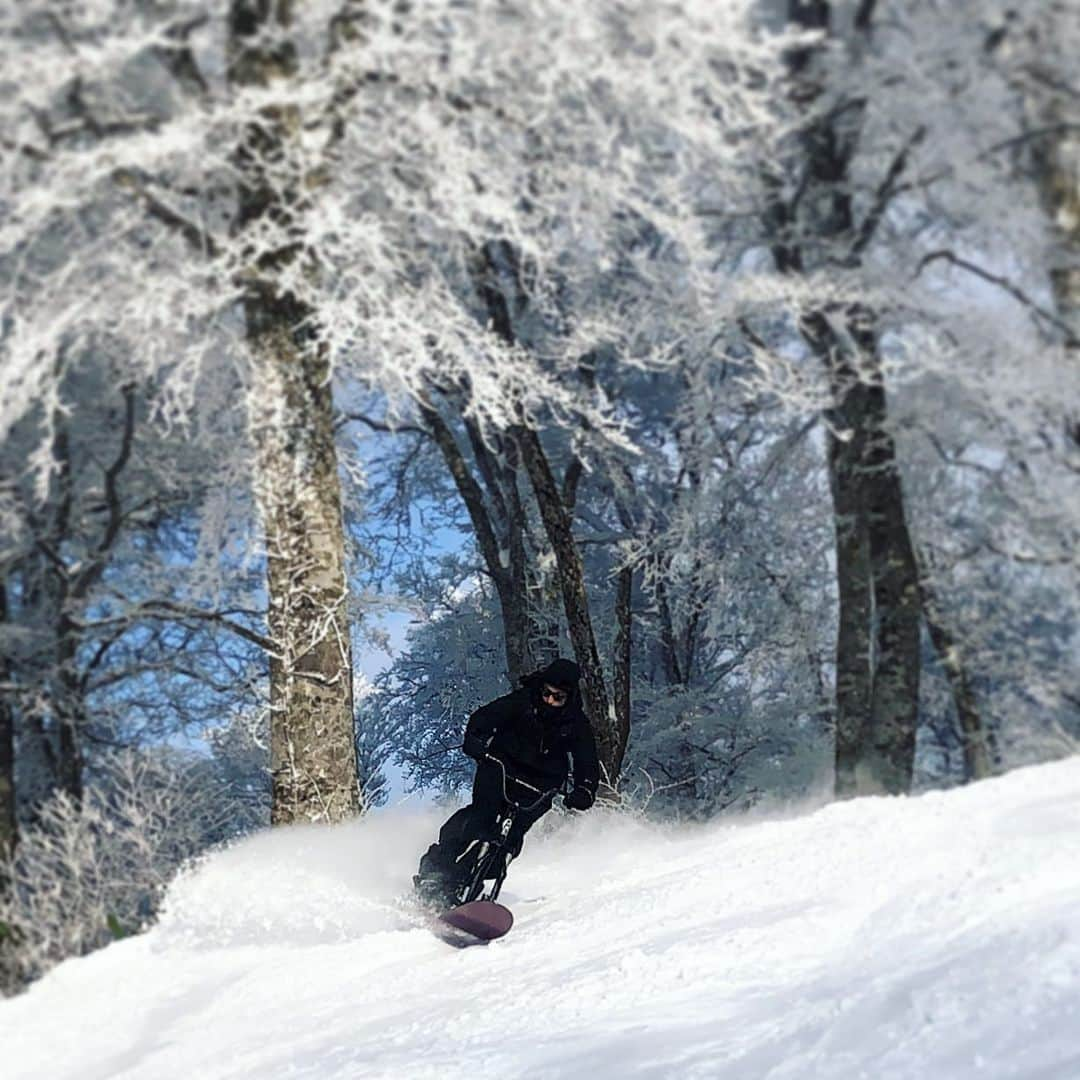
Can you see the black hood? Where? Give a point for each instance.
(562, 673)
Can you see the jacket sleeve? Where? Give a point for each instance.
(583, 752)
(486, 721)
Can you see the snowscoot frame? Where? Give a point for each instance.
(496, 848)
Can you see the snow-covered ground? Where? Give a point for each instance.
(933, 937)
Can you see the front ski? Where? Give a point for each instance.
(475, 923)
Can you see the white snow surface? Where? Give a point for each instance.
(927, 937)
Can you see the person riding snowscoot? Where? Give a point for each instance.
(535, 732)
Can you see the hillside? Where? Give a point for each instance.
(932, 937)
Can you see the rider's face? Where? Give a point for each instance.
(553, 695)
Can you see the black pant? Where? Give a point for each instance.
(447, 865)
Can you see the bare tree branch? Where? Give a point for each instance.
(198, 238)
(174, 609)
(885, 192)
(1071, 339)
(380, 425)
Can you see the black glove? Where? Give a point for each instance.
(579, 799)
(475, 746)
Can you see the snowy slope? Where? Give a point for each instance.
(935, 937)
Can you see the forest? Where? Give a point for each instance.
(360, 357)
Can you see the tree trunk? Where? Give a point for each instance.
(501, 542)
(69, 711)
(523, 616)
(8, 823)
(622, 646)
(312, 747)
(877, 659)
(853, 637)
(312, 744)
(495, 271)
(878, 627)
(979, 746)
(65, 595)
(622, 652)
(611, 743)
(669, 654)
(889, 747)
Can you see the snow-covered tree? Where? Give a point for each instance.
(93, 870)
(614, 267)
(298, 193)
(901, 252)
(111, 633)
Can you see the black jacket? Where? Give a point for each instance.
(536, 743)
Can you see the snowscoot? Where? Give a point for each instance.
(478, 919)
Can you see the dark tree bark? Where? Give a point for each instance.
(67, 706)
(505, 560)
(622, 645)
(853, 659)
(534, 642)
(622, 650)
(979, 745)
(70, 712)
(558, 527)
(668, 649)
(882, 600)
(312, 746)
(877, 651)
(8, 823)
(878, 628)
(67, 591)
(499, 287)
(889, 748)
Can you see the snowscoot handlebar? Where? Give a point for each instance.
(540, 795)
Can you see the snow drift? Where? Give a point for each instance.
(930, 937)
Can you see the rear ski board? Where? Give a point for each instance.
(475, 923)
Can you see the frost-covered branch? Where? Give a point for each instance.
(1071, 339)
